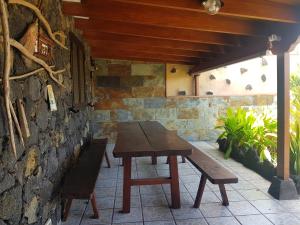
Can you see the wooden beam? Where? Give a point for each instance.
(124, 53)
(234, 57)
(169, 33)
(130, 55)
(254, 9)
(166, 17)
(154, 42)
(283, 114)
(154, 60)
(149, 49)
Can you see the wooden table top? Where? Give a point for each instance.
(150, 138)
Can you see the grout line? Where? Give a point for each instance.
(115, 198)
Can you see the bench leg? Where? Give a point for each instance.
(94, 206)
(107, 159)
(154, 160)
(67, 207)
(175, 193)
(200, 191)
(183, 159)
(126, 184)
(223, 194)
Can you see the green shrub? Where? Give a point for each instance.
(245, 130)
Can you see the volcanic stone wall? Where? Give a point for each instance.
(30, 183)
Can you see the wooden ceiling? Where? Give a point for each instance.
(179, 31)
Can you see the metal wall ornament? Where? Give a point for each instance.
(243, 70)
(173, 70)
(249, 87)
(212, 77)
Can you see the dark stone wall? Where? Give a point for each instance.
(30, 184)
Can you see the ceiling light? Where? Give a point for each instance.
(212, 7)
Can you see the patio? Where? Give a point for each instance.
(74, 70)
(250, 203)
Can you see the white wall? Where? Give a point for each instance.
(255, 69)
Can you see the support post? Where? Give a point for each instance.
(282, 187)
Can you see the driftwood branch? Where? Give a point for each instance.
(17, 124)
(44, 22)
(6, 72)
(41, 62)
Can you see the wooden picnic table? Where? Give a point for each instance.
(150, 138)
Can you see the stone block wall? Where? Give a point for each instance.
(30, 183)
(135, 91)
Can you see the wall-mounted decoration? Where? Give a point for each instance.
(209, 93)
(28, 51)
(249, 87)
(228, 82)
(51, 99)
(263, 78)
(44, 47)
(243, 70)
(181, 93)
(173, 70)
(23, 119)
(264, 62)
(78, 70)
(212, 77)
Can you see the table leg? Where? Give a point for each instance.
(126, 184)
(154, 160)
(175, 193)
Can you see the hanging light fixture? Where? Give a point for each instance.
(212, 7)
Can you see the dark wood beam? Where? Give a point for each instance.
(146, 53)
(132, 58)
(124, 53)
(166, 17)
(234, 57)
(254, 9)
(154, 42)
(149, 49)
(169, 33)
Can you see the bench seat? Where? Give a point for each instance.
(80, 181)
(213, 171)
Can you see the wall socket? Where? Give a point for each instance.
(49, 222)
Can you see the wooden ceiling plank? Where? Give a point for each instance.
(126, 52)
(228, 59)
(151, 49)
(154, 60)
(154, 42)
(165, 17)
(93, 26)
(254, 9)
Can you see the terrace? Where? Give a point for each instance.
(72, 70)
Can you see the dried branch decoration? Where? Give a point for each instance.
(8, 43)
(38, 13)
(6, 72)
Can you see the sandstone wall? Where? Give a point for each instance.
(133, 91)
(29, 185)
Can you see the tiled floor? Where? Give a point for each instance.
(250, 203)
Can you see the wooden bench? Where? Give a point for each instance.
(80, 181)
(214, 172)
